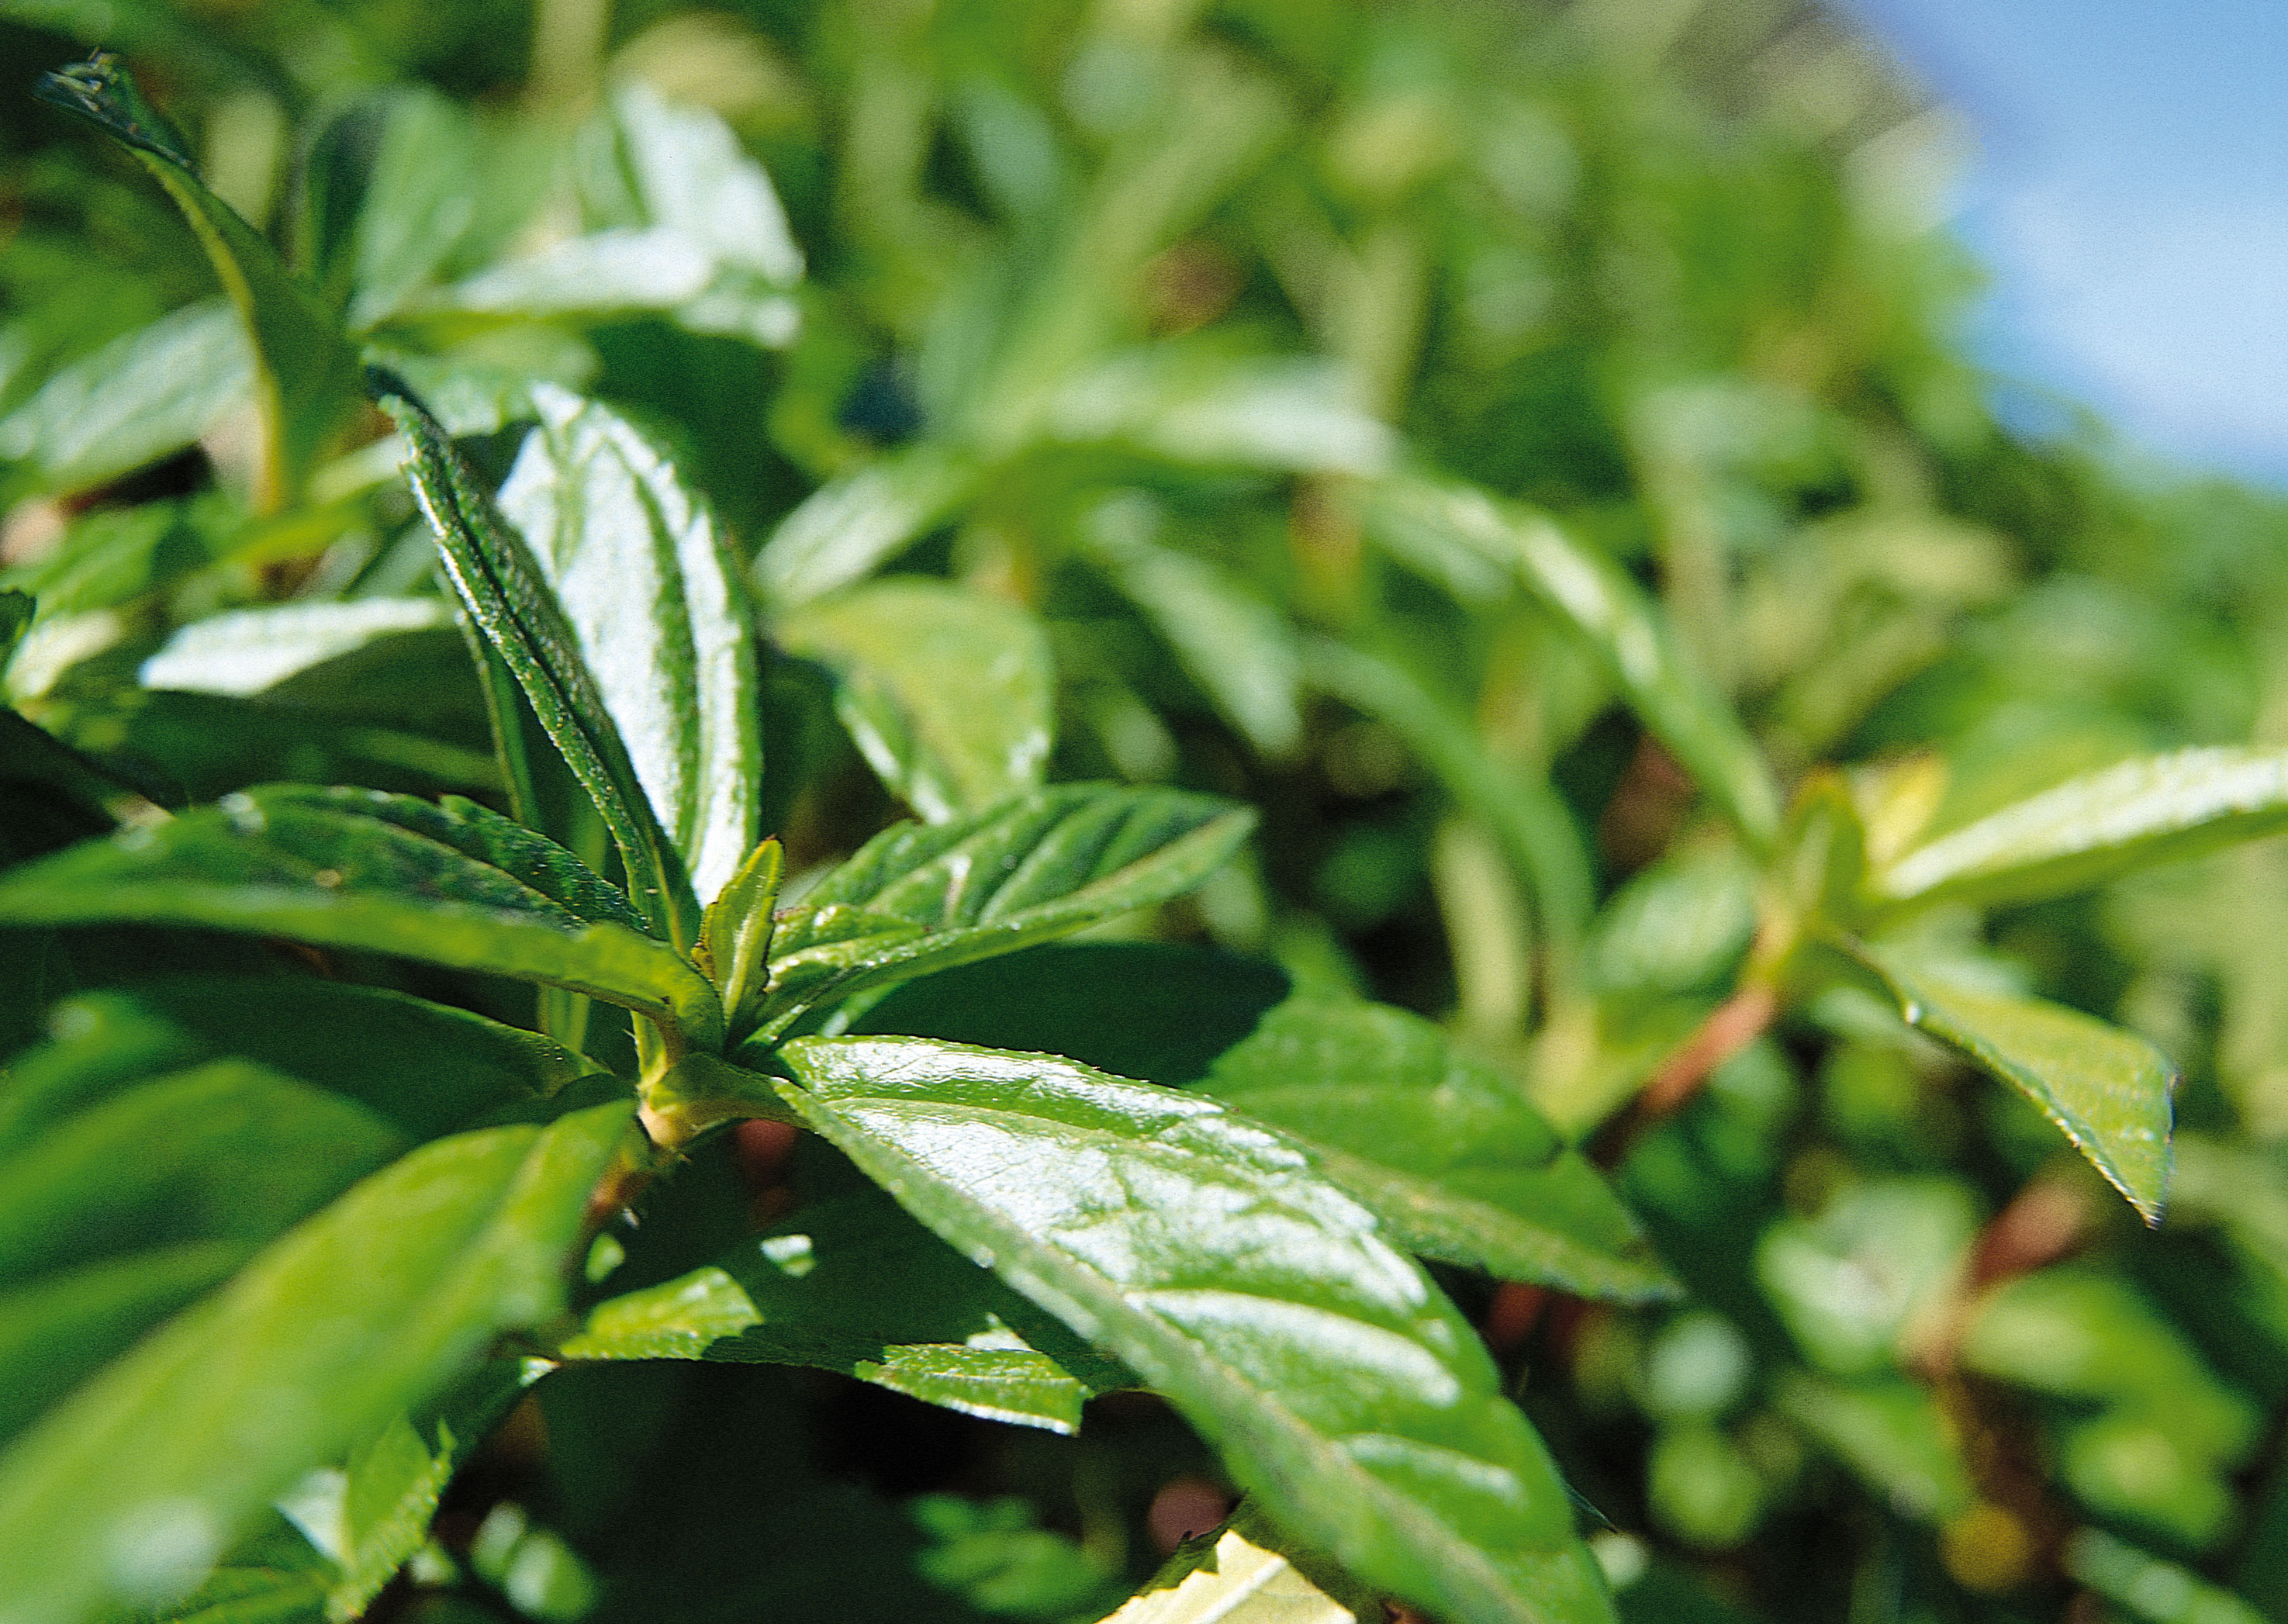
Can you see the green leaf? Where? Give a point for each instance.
(2106, 1090)
(949, 694)
(735, 936)
(1241, 1574)
(352, 868)
(245, 1595)
(129, 1490)
(1172, 402)
(507, 596)
(1237, 647)
(658, 612)
(1414, 517)
(372, 1513)
(306, 373)
(427, 1068)
(2148, 1588)
(1206, 1254)
(141, 397)
(1888, 1431)
(16, 612)
(844, 529)
(226, 1151)
(2157, 809)
(926, 897)
(247, 651)
(682, 168)
(1537, 834)
(1445, 1151)
(420, 202)
(856, 1285)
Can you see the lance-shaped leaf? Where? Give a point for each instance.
(507, 596)
(949, 694)
(145, 395)
(1209, 1255)
(924, 897)
(2094, 829)
(372, 1513)
(1445, 1152)
(856, 1285)
(306, 373)
(248, 650)
(2107, 1089)
(1420, 520)
(844, 530)
(360, 869)
(659, 614)
(129, 1491)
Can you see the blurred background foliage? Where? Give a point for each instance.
(1084, 325)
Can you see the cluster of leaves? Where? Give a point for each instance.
(753, 620)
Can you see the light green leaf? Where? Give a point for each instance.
(928, 896)
(141, 397)
(507, 595)
(2157, 809)
(1888, 1431)
(1413, 516)
(1206, 1254)
(129, 1489)
(1445, 1152)
(2149, 1589)
(306, 373)
(246, 1595)
(372, 1513)
(352, 868)
(660, 617)
(248, 650)
(950, 695)
(1285, 413)
(856, 1285)
(2106, 1090)
(420, 202)
(844, 529)
(735, 936)
(1240, 1574)
(606, 272)
(1237, 647)
(684, 170)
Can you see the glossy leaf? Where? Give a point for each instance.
(657, 610)
(842, 531)
(1206, 1254)
(139, 397)
(1445, 1152)
(856, 1285)
(421, 200)
(507, 595)
(132, 1488)
(306, 374)
(926, 897)
(248, 650)
(2157, 809)
(2107, 1089)
(1612, 616)
(949, 693)
(353, 869)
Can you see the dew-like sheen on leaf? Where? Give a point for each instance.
(1209, 1255)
